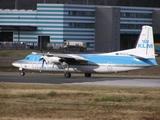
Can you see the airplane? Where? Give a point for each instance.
(142, 56)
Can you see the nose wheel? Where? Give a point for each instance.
(22, 73)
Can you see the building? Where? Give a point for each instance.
(104, 28)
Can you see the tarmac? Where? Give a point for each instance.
(76, 79)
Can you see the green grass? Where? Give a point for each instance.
(73, 102)
(112, 98)
(20, 53)
(16, 53)
(116, 99)
(29, 95)
(52, 94)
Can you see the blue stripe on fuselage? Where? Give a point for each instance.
(104, 59)
(33, 58)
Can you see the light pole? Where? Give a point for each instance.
(16, 4)
(105, 2)
(87, 2)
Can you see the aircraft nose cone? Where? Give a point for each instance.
(16, 64)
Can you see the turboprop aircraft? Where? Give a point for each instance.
(142, 56)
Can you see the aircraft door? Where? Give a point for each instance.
(35, 62)
(109, 67)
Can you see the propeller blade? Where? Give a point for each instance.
(43, 60)
(40, 59)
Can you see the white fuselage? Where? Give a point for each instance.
(98, 68)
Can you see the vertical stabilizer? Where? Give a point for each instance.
(145, 45)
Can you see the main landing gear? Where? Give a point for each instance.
(87, 74)
(67, 74)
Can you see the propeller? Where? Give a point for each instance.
(49, 59)
(43, 60)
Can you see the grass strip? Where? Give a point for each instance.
(25, 101)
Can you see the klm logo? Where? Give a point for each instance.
(145, 44)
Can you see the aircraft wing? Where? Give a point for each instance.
(70, 59)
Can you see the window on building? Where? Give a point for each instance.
(81, 13)
(81, 25)
(131, 26)
(136, 15)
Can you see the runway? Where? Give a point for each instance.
(79, 80)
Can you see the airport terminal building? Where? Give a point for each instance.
(103, 28)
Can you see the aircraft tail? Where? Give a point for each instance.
(145, 45)
(144, 48)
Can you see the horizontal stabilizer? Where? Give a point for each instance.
(139, 57)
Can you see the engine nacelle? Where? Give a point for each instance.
(53, 59)
(50, 60)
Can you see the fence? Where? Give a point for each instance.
(12, 45)
(24, 46)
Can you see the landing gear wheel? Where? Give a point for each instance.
(22, 73)
(67, 74)
(87, 74)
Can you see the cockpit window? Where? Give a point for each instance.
(27, 58)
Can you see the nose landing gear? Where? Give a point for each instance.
(22, 73)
